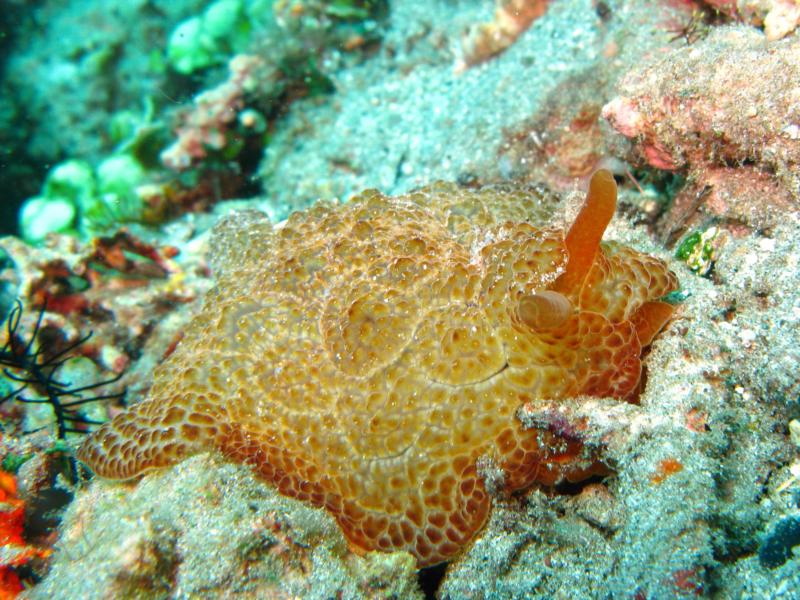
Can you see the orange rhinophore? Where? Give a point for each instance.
(363, 357)
(583, 238)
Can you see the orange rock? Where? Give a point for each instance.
(12, 511)
(667, 468)
(10, 585)
(487, 40)
(363, 357)
(13, 548)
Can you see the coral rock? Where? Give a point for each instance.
(727, 102)
(364, 357)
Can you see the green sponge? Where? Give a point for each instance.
(73, 192)
(68, 185)
(185, 50)
(71, 180)
(207, 40)
(40, 216)
(116, 200)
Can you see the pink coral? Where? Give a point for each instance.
(723, 105)
(206, 125)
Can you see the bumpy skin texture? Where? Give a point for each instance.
(364, 356)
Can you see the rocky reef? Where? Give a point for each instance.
(268, 106)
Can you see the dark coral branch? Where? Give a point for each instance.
(37, 371)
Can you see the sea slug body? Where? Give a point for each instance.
(363, 357)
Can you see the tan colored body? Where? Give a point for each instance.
(364, 356)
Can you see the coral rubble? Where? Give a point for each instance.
(208, 529)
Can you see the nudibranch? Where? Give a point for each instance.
(362, 357)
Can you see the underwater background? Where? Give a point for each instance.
(130, 129)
